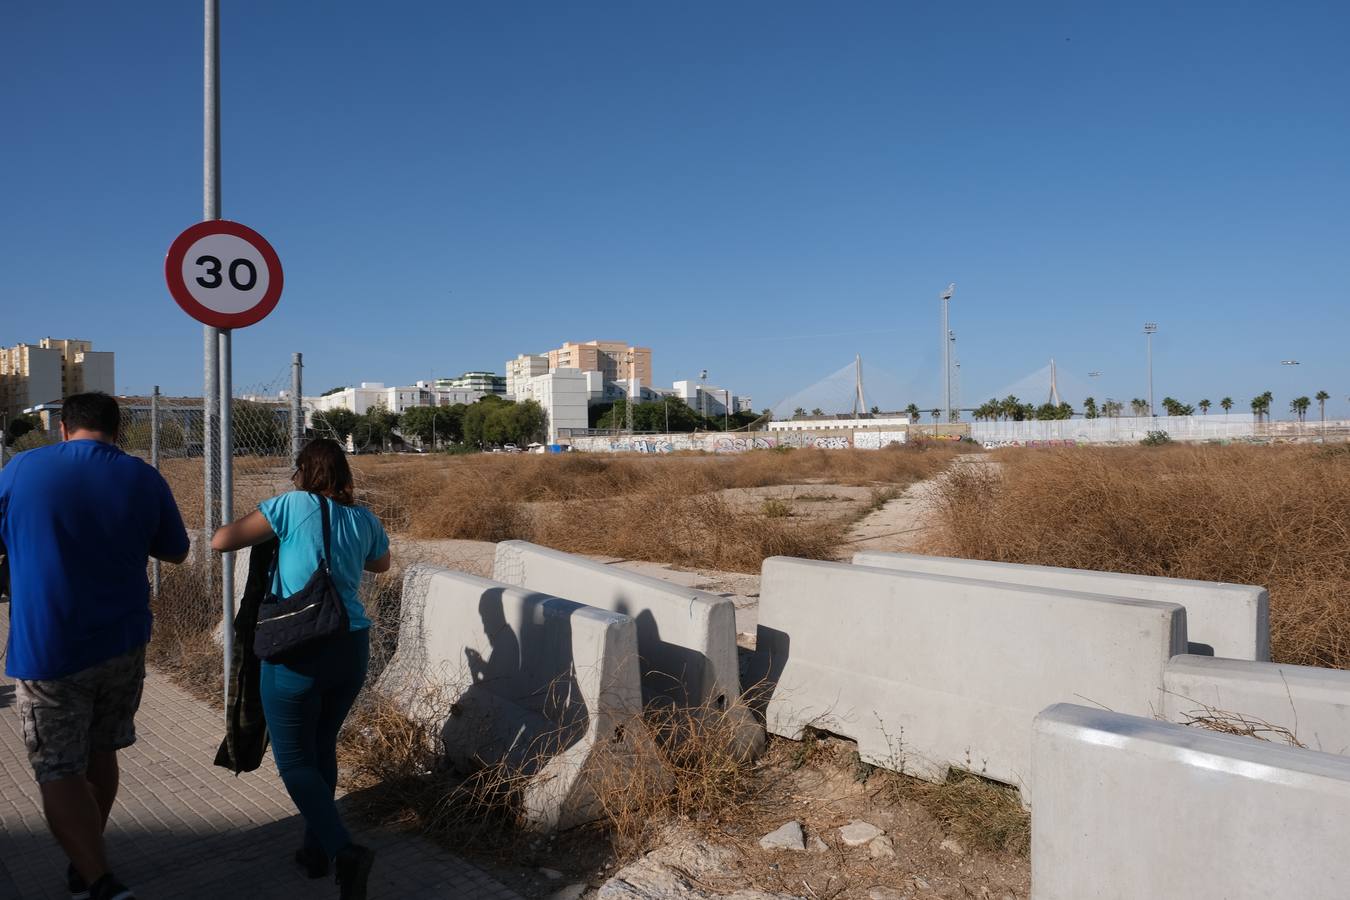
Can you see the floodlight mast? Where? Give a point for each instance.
(946, 297)
(1150, 329)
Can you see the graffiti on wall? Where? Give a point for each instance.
(742, 444)
(875, 440)
(830, 443)
(995, 445)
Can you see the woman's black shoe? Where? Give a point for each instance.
(314, 862)
(353, 870)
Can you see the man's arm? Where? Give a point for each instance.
(170, 542)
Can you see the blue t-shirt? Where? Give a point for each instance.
(357, 538)
(80, 520)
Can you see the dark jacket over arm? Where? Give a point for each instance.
(246, 728)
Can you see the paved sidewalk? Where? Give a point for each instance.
(184, 828)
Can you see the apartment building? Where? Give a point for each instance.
(51, 371)
(483, 382)
(522, 369)
(614, 360)
(398, 400)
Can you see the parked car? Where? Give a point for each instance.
(510, 448)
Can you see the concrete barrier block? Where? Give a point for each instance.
(926, 672)
(545, 688)
(1230, 620)
(1312, 704)
(686, 637)
(1128, 807)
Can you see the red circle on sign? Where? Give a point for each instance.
(173, 274)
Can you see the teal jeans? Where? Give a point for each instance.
(306, 700)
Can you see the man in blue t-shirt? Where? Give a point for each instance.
(80, 520)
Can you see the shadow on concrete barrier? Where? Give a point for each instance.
(928, 672)
(1230, 620)
(686, 638)
(543, 689)
(1273, 700)
(1128, 808)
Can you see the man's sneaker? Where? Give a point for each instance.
(109, 888)
(314, 862)
(353, 870)
(78, 887)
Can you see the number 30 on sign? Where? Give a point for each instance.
(223, 274)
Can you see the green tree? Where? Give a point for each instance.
(337, 424)
(817, 411)
(1090, 408)
(433, 425)
(913, 412)
(257, 429)
(1299, 406)
(1139, 407)
(798, 413)
(20, 425)
(476, 415)
(1322, 397)
(875, 410)
(1227, 404)
(1204, 407)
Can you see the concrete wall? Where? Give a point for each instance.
(840, 439)
(1311, 703)
(1231, 620)
(1122, 429)
(1129, 808)
(538, 684)
(929, 671)
(686, 638)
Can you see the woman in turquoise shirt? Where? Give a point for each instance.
(307, 698)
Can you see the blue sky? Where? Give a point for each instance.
(762, 189)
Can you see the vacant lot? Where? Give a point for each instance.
(724, 513)
(1273, 516)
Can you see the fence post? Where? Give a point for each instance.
(154, 461)
(297, 423)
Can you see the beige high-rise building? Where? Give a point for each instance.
(50, 372)
(610, 358)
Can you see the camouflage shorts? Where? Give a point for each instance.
(93, 710)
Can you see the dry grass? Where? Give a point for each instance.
(662, 509)
(1277, 516)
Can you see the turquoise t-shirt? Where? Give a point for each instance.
(358, 537)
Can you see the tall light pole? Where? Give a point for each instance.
(1150, 328)
(947, 354)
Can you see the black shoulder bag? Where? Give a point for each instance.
(314, 612)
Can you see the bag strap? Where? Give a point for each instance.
(327, 529)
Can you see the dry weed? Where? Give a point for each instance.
(1278, 517)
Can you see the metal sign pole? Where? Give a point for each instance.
(154, 461)
(227, 496)
(213, 338)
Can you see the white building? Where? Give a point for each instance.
(395, 399)
(564, 395)
(523, 368)
(482, 382)
(711, 400)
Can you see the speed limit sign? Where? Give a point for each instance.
(223, 274)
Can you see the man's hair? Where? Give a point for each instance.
(94, 411)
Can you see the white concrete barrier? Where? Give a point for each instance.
(1128, 808)
(1231, 620)
(929, 671)
(686, 637)
(1310, 703)
(544, 687)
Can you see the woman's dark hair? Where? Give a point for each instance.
(322, 467)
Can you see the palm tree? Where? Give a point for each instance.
(912, 411)
(1204, 407)
(817, 411)
(1322, 397)
(1299, 407)
(798, 413)
(1226, 403)
(1139, 407)
(1090, 408)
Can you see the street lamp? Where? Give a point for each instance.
(1150, 329)
(947, 353)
